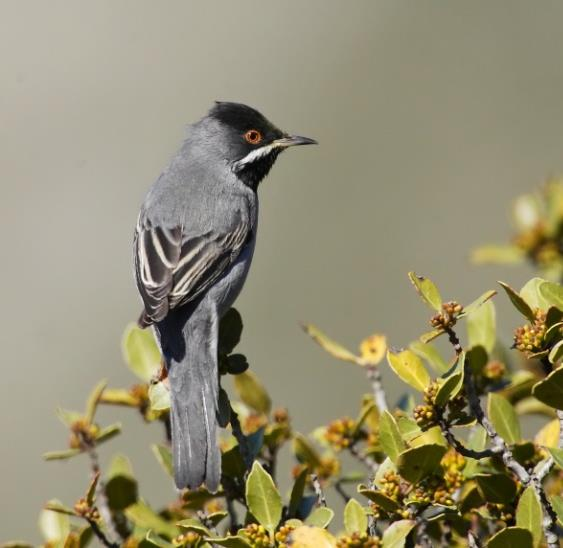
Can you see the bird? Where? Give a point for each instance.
(193, 246)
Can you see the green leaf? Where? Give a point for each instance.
(418, 462)
(94, 399)
(396, 534)
(520, 304)
(497, 254)
(263, 498)
(511, 537)
(68, 417)
(355, 518)
(425, 338)
(230, 331)
(121, 486)
(451, 384)
(409, 368)
(217, 517)
(55, 506)
(497, 488)
(61, 455)
(335, 349)
(91, 493)
(557, 455)
(531, 294)
(193, 524)
(385, 502)
(556, 352)
(141, 352)
(390, 437)
(557, 504)
(153, 538)
(164, 457)
(54, 526)
(481, 327)
(529, 514)
(109, 432)
(550, 390)
(297, 492)
(427, 290)
(320, 517)
(504, 418)
(144, 516)
(552, 293)
(230, 542)
(428, 353)
(252, 392)
(159, 397)
(477, 303)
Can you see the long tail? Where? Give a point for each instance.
(194, 390)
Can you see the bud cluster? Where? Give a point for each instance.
(529, 338)
(282, 536)
(191, 538)
(256, 536)
(340, 433)
(448, 317)
(358, 540)
(86, 511)
(82, 434)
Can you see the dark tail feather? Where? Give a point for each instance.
(196, 454)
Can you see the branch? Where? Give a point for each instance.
(374, 376)
(241, 439)
(321, 500)
(101, 503)
(500, 445)
(364, 459)
(459, 447)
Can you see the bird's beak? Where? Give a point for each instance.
(293, 140)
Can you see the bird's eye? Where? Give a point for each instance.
(253, 136)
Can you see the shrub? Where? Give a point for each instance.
(447, 466)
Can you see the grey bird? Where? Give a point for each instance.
(193, 246)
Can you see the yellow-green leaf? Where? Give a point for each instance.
(141, 352)
(550, 390)
(521, 305)
(54, 526)
(159, 397)
(390, 437)
(548, 436)
(477, 303)
(418, 462)
(511, 537)
(355, 518)
(252, 392)
(320, 517)
(94, 399)
(497, 254)
(430, 354)
(263, 498)
(333, 348)
(531, 294)
(144, 516)
(409, 368)
(164, 457)
(481, 327)
(504, 418)
(396, 534)
(529, 514)
(427, 290)
(552, 293)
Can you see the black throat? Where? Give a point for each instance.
(253, 174)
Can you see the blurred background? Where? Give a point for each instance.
(431, 116)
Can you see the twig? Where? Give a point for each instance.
(241, 439)
(374, 376)
(101, 535)
(499, 445)
(321, 500)
(340, 490)
(472, 540)
(102, 504)
(364, 459)
(459, 447)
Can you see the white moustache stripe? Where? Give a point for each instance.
(256, 155)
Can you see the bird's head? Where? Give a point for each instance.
(250, 141)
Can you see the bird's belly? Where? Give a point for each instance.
(227, 289)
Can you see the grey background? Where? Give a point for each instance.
(431, 117)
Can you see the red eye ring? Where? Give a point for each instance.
(253, 136)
